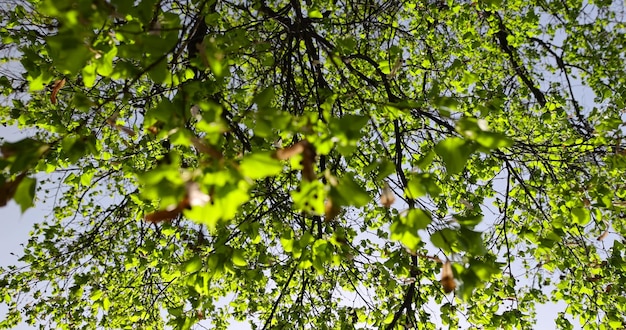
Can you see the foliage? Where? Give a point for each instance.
(239, 160)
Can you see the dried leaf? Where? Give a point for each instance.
(167, 215)
(396, 67)
(595, 278)
(153, 129)
(447, 278)
(331, 210)
(195, 195)
(387, 197)
(55, 90)
(286, 153)
(127, 130)
(308, 162)
(162, 215)
(202, 147)
(604, 235)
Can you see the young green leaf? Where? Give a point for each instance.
(454, 152)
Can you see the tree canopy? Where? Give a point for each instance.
(315, 164)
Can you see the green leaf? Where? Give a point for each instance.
(484, 270)
(425, 161)
(417, 219)
(493, 140)
(226, 202)
(69, 52)
(581, 216)
(406, 233)
(193, 265)
(106, 303)
(23, 154)
(310, 197)
(348, 129)
(422, 184)
(86, 178)
(415, 189)
(471, 241)
(96, 295)
(287, 241)
(264, 98)
(105, 63)
(89, 75)
(260, 165)
(159, 72)
(25, 193)
(446, 105)
(454, 152)
(445, 239)
(238, 258)
(315, 14)
(306, 239)
(469, 220)
(351, 193)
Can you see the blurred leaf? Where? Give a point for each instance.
(193, 265)
(25, 193)
(260, 165)
(445, 239)
(264, 98)
(417, 219)
(470, 220)
(239, 259)
(351, 193)
(581, 216)
(493, 140)
(421, 184)
(309, 197)
(454, 152)
(406, 233)
(471, 241)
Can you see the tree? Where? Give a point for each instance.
(316, 164)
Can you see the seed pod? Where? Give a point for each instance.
(387, 197)
(447, 278)
(55, 90)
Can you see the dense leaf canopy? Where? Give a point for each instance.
(312, 164)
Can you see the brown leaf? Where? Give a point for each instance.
(308, 162)
(308, 157)
(387, 197)
(447, 278)
(153, 129)
(595, 278)
(604, 235)
(162, 215)
(55, 90)
(195, 195)
(286, 153)
(111, 122)
(331, 210)
(167, 215)
(204, 148)
(126, 130)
